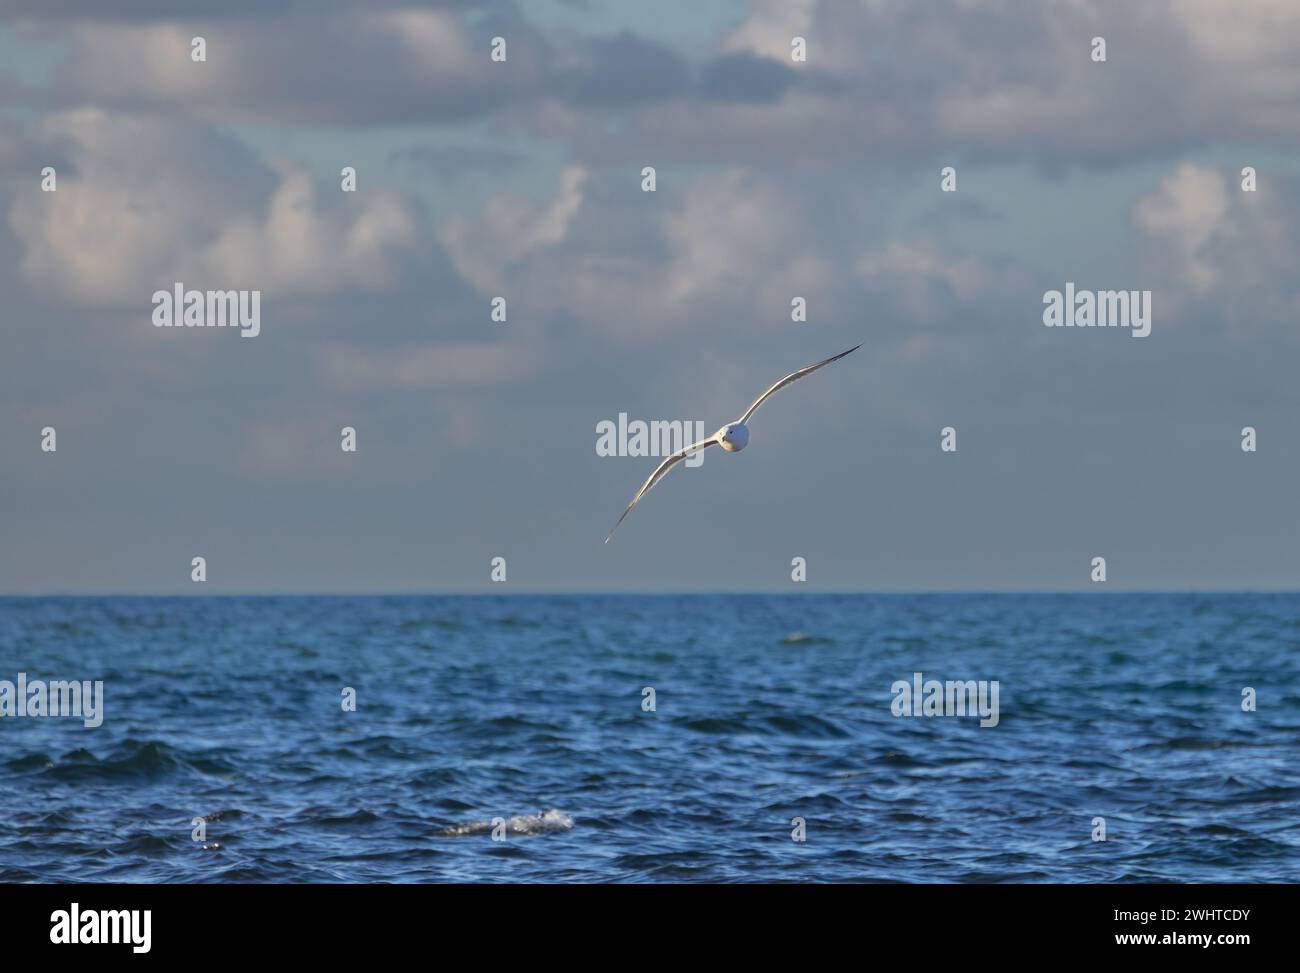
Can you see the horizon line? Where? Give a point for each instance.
(668, 593)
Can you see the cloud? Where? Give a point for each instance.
(734, 233)
(300, 66)
(771, 24)
(721, 247)
(510, 228)
(365, 67)
(1185, 213)
(151, 203)
(135, 10)
(297, 246)
(922, 283)
(1212, 251)
(993, 81)
(720, 253)
(616, 71)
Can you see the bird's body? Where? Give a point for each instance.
(733, 437)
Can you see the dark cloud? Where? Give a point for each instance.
(744, 77)
(159, 10)
(619, 71)
(378, 66)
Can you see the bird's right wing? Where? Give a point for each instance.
(792, 377)
(659, 474)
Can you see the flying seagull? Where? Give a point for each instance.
(733, 437)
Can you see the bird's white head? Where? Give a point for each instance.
(733, 437)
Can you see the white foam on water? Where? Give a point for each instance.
(551, 820)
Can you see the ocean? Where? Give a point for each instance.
(626, 738)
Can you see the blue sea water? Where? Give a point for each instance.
(767, 708)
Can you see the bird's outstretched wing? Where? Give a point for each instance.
(792, 377)
(661, 472)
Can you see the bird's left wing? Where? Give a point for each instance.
(792, 377)
(659, 474)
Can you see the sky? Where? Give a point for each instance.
(522, 178)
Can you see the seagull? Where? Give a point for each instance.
(733, 437)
